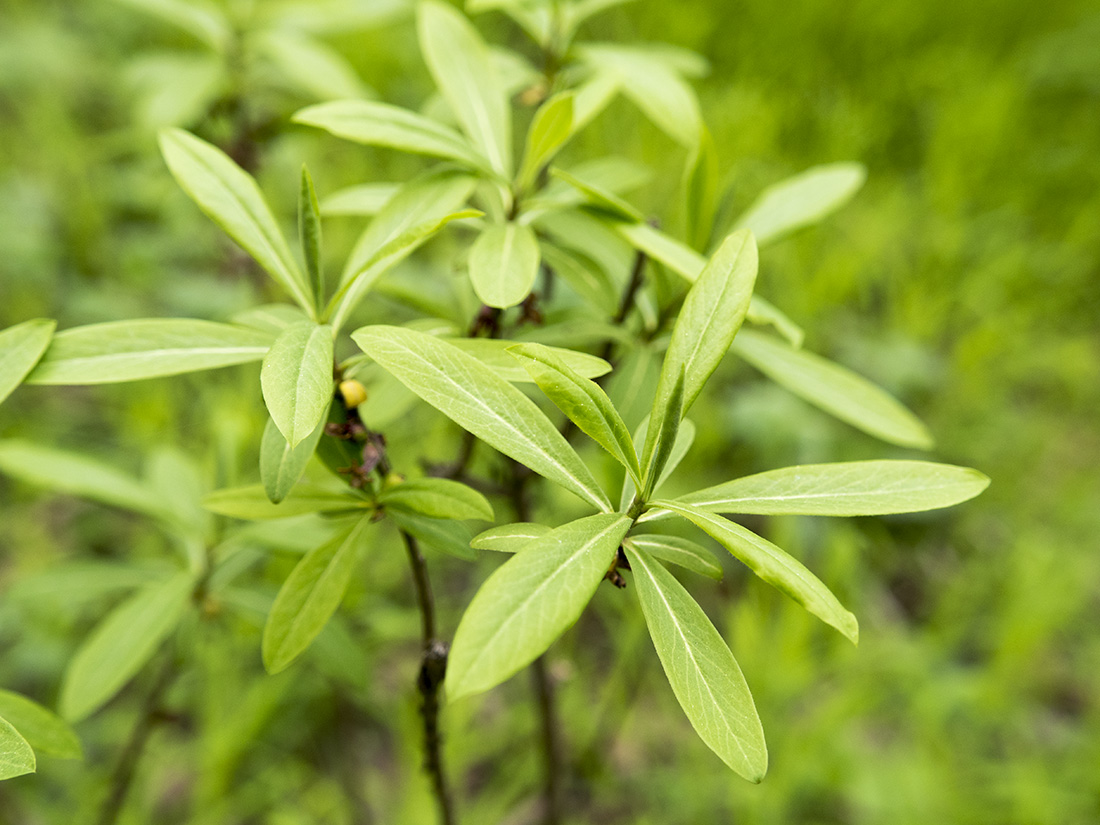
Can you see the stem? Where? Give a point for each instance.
(551, 742)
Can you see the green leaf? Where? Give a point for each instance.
(309, 233)
(851, 488)
(271, 318)
(711, 315)
(43, 729)
(197, 17)
(251, 502)
(771, 564)
(445, 535)
(475, 398)
(20, 348)
(701, 669)
(282, 465)
(701, 191)
(685, 437)
(16, 756)
(600, 197)
(75, 474)
(677, 550)
(364, 199)
(463, 70)
(231, 198)
(587, 278)
(763, 313)
(310, 596)
(530, 601)
(494, 353)
(297, 379)
(582, 401)
(835, 389)
(509, 538)
(664, 442)
(504, 262)
(119, 351)
(550, 129)
(310, 65)
(122, 644)
(437, 498)
(802, 200)
(380, 124)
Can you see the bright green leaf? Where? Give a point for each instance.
(309, 233)
(251, 502)
(20, 348)
(550, 129)
(16, 756)
(494, 353)
(199, 18)
(297, 379)
(437, 498)
(677, 550)
(509, 538)
(504, 262)
(282, 465)
(43, 729)
(600, 197)
(446, 535)
(685, 437)
(364, 199)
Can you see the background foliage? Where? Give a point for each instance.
(963, 277)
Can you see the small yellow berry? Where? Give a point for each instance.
(353, 393)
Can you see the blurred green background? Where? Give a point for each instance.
(965, 278)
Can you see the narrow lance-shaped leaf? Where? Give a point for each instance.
(599, 197)
(773, 565)
(582, 401)
(701, 669)
(509, 538)
(231, 198)
(282, 465)
(43, 729)
(296, 379)
(550, 129)
(121, 645)
(530, 601)
(364, 199)
(504, 262)
(475, 398)
(835, 389)
(494, 353)
(462, 69)
(119, 351)
(437, 498)
(685, 437)
(679, 551)
(667, 428)
(309, 233)
(446, 535)
(16, 756)
(310, 596)
(252, 502)
(851, 488)
(20, 348)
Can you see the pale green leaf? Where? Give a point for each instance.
(310, 66)
(251, 502)
(493, 353)
(773, 565)
(599, 197)
(270, 318)
(43, 729)
(199, 18)
(446, 535)
(231, 198)
(122, 644)
(504, 262)
(437, 498)
(835, 389)
(685, 437)
(679, 551)
(282, 465)
(119, 351)
(802, 200)
(764, 313)
(20, 348)
(550, 129)
(661, 448)
(16, 756)
(296, 379)
(310, 596)
(474, 397)
(701, 191)
(587, 278)
(701, 669)
(364, 199)
(530, 601)
(309, 234)
(509, 538)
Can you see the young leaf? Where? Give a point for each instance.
(530, 601)
(309, 233)
(310, 596)
(119, 351)
(802, 200)
(475, 398)
(771, 564)
(550, 129)
(462, 69)
(20, 348)
(437, 498)
(43, 729)
(296, 378)
(121, 645)
(504, 262)
(701, 669)
(677, 550)
(582, 401)
(448, 536)
(835, 389)
(231, 198)
(494, 353)
(685, 437)
(664, 442)
(851, 488)
(509, 538)
(16, 756)
(282, 465)
(251, 502)
(380, 124)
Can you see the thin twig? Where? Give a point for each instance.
(551, 742)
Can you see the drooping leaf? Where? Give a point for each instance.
(20, 348)
(550, 129)
(475, 398)
(462, 69)
(851, 488)
(119, 351)
(582, 401)
(282, 465)
(835, 389)
(802, 200)
(530, 601)
(701, 669)
(231, 198)
(504, 262)
(309, 233)
(773, 565)
(446, 535)
(677, 550)
(16, 756)
(364, 199)
(437, 498)
(251, 502)
(121, 645)
(310, 596)
(493, 353)
(43, 729)
(509, 538)
(296, 379)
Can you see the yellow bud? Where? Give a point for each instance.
(353, 393)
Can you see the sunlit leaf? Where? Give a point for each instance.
(504, 262)
(20, 348)
(282, 465)
(493, 353)
(297, 379)
(802, 200)
(43, 729)
(16, 756)
(679, 551)
(437, 498)
(509, 538)
(251, 502)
